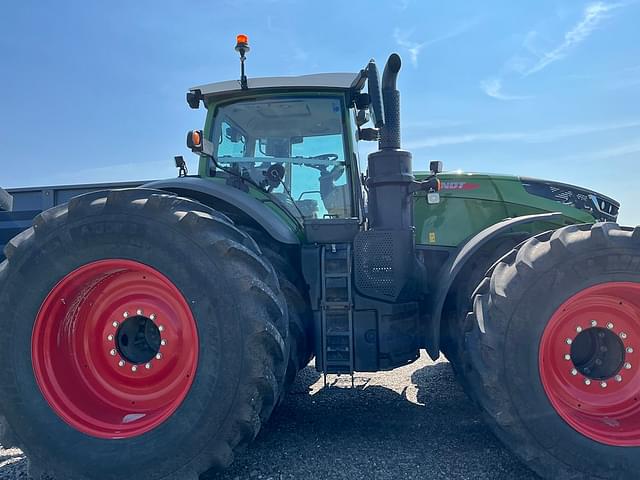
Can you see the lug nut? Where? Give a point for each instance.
(629, 349)
(153, 317)
(618, 378)
(110, 337)
(610, 326)
(139, 311)
(163, 342)
(623, 335)
(125, 314)
(134, 368)
(161, 328)
(594, 323)
(148, 366)
(121, 363)
(587, 381)
(158, 356)
(627, 366)
(113, 352)
(115, 324)
(567, 357)
(578, 329)
(603, 384)
(569, 341)
(574, 372)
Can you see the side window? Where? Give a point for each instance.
(328, 185)
(231, 142)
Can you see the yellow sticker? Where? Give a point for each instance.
(432, 237)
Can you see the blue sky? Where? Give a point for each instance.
(94, 91)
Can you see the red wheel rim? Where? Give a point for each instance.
(88, 324)
(589, 366)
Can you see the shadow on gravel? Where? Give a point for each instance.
(430, 430)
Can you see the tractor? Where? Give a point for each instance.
(150, 330)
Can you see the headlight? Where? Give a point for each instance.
(601, 207)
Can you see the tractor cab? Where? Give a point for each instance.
(293, 138)
(291, 141)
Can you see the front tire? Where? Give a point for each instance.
(142, 335)
(554, 352)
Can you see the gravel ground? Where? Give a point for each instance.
(412, 423)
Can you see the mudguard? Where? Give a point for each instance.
(6, 201)
(214, 193)
(452, 268)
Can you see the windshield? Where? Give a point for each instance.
(292, 147)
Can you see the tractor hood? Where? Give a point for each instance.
(470, 202)
(540, 194)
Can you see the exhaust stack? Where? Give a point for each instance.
(390, 134)
(390, 168)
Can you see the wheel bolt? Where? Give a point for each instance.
(567, 357)
(629, 349)
(121, 363)
(603, 384)
(148, 366)
(623, 335)
(610, 326)
(587, 381)
(594, 323)
(153, 316)
(574, 372)
(160, 328)
(113, 352)
(134, 368)
(578, 329)
(569, 341)
(627, 366)
(110, 337)
(158, 356)
(125, 314)
(618, 378)
(115, 324)
(163, 342)
(139, 311)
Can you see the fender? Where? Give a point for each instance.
(455, 264)
(6, 201)
(205, 191)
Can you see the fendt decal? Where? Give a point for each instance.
(459, 186)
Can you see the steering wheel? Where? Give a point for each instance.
(337, 170)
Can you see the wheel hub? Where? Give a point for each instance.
(598, 353)
(588, 366)
(137, 339)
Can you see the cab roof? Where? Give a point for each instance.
(350, 82)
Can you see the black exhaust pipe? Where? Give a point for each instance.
(385, 254)
(390, 169)
(390, 134)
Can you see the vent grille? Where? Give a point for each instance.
(374, 263)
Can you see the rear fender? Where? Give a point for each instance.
(221, 196)
(450, 270)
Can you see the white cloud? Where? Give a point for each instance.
(592, 16)
(493, 88)
(403, 39)
(536, 136)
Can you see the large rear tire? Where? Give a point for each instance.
(295, 293)
(554, 352)
(143, 336)
(456, 322)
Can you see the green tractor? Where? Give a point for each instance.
(150, 332)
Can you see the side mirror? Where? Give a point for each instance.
(435, 167)
(193, 98)
(375, 94)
